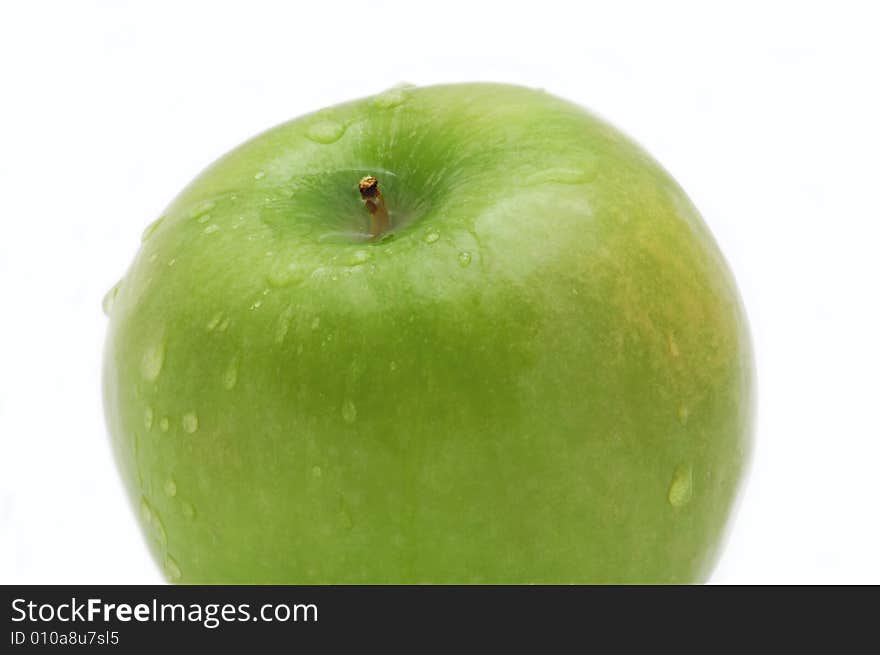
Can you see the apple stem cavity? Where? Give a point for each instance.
(380, 221)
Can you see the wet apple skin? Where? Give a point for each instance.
(542, 375)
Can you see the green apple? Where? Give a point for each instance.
(515, 356)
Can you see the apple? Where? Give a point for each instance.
(457, 334)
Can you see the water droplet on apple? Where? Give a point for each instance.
(153, 522)
(257, 305)
(190, 422)
(432, 236)
(203, 219)
(681, 487)
(172, 570)
(259, 175)
(564, 175)
(223, 325)
(284, 324)
(201, 209)
(349, 411)
(391, 98)
(213, 227)
(464, 259)
(110, 299)
(286, 273)
(316, 471)
(151, 228)
(683, 413)
(159, 531)
(392, 366)
(189, 512)
(325, 132)
(148, 418)
(359, 257)
(316, 322)
(152, 360)
(214, 322)
(230, 375)
(170, 488)
(164, 424)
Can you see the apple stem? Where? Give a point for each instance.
(380, 221)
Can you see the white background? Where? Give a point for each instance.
(767, 114)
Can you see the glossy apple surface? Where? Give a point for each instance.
(541, 373)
